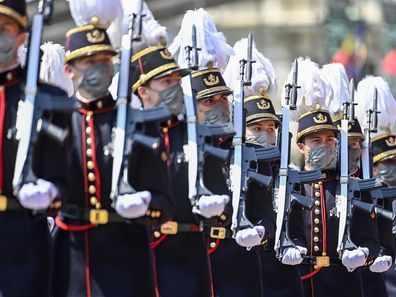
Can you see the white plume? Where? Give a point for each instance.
(336, 75)
(152, 31)
(106, 11)
(313, 91)
(212, 43)
(51, 68)
(386, 104)
(263, 74)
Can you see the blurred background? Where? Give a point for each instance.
(361, 34)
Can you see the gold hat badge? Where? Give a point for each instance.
(263, 104)
(320, 118)
(95, 36)
(211, 80)
(165, 53)
(391, 141)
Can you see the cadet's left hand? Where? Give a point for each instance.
(381, 264)
(210, 206)
(37, 196)
(132, 206)
(250, 237)
(355, 258)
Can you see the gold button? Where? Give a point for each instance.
(92, 189)
(212, 245)
(89, 140)
(316, 239)
(316, 230)
(316, 248)
(164, 156)
(157, 234)
(317, 186)
(91, 177)
(90, 165)
(148, 213)
(88, 130)
(93, 200)
(317, 194)
(98, 205)
(89, 152)
(317, 211)
(316, 221)
(223, 217)
(88, 118)
(165, 130)
(317, 202)
(320, 183)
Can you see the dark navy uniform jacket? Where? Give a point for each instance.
(183, 267)
(113, 259)
(321, 231)
(236, 271)
(390, 275)
(279, 280)
(24, 239)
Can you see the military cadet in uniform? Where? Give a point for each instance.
(182, 264)
(25, 240)
(327, 275)
(384, 164)
(261, 125)
(101, 247)
(236, 271)
(373, 281)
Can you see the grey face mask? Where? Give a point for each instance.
(96, 80)
(218, 114)
(173, 97)
(263, 139)
(353, 158)
(8, 49)
(387, 172)
(322, 158)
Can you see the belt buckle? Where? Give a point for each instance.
(98, 216)
(217, 232)
(169, 228)
(322, 261)
(3, 203)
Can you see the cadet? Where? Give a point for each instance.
(240, 276)
(180, 248)
(384, 165)
(316, 140)
(100, 250)
(261, 128)
(25, 240)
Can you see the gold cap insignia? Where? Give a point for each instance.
(349, 127)
(320, 118)
(391, 141)
(263, 104)
(211, 80)
(95, 36)
(166, 54)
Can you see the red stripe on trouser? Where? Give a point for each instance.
(2, 114)
(87, 268)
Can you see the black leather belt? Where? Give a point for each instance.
(321, 261)
(9, 204)
(93, 216)
(172, 228)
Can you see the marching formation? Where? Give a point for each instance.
(132, 168)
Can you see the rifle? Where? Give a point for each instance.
(372, 120)
(350, 190)
(201, 137)
(35, 103)
(289, 180)
(130, 123)
(244, 165)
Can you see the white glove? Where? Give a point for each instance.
(381, 264)
(355, 258)
(250, 237)
(210, 206)
(51, 223)
(37, 196)
(132, 206)
(294, 256)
